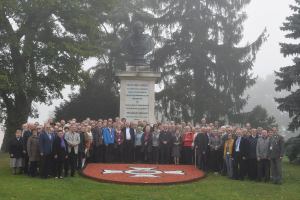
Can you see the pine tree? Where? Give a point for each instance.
(204, 68)
(290, 75)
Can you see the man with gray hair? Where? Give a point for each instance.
(263, 153)
(259, 130)
(276, 146)
(165, 138)
(73, 140)
(26, 135)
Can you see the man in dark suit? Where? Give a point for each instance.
(201, 143)
(165, 138)
(26, 135)
(208, 164)
(45, 147)
(128, 143)
(252, 158)
(98, 142)
(239, 155)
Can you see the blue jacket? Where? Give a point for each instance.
(45, 144)
(138, 138)
(108, 139)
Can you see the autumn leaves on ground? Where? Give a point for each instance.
(212, 187)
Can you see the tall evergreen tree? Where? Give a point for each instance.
(290, 75)
(42, 47)
(204, 68)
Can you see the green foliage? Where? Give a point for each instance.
(263, 93)
(259, 117)
(42, 47)
(205, 69)
(292, 150)
(290, 75)
(95, 100)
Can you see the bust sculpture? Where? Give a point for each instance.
(138, 44)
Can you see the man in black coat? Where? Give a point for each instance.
(165, 138)
(128, 143)
(252, 158)
(201, 143)
(239, 155)
(26, 135)
(98, 144)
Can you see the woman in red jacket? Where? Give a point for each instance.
(187, 138)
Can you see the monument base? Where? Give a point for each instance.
(137, 93)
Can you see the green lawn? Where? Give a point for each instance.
(212, 187)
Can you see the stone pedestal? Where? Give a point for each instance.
(137, 95)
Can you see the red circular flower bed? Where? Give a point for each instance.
(145, 174)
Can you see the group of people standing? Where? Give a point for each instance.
(60, 146)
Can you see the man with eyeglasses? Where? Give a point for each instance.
(276, 146)
(45, 148)
(73, 140)
(239, 155)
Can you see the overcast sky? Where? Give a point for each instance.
(262, 14)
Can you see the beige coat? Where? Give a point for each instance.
(33, 148)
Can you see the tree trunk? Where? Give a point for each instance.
(16, 116)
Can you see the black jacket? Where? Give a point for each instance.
(147, 148)
(57, 150)
(165, 137)
(26, 135)
(201, 141)
(131, 136)
(81, 146)
(16, 148)
(243, 147)
(252, 147)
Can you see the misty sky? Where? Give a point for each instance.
(262, 14)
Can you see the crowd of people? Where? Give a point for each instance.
(56, 147)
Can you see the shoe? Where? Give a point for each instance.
(274, 183)
(61, 177)
(266, 181)
(30, 176)
(223, 174)
(251, 179)
(21, 173)
(44, 178)
(257, 180)
(66, 175)
(55, 177)
(279, 183)
(241, 179)
(14, 173)
(73, 176)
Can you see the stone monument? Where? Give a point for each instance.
(138, 81)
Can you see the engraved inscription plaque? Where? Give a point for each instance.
(137, 100)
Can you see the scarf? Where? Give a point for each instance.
(146, 137)
(62, 143)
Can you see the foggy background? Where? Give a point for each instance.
(262, 14)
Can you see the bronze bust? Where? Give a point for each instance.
(138, 44)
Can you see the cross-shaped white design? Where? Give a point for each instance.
(143, 172)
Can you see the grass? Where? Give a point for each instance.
(212, 187)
